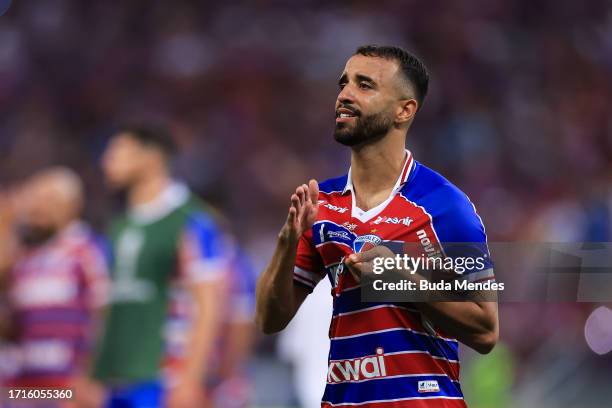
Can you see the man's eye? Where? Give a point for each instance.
(365, 85)
(341, 85)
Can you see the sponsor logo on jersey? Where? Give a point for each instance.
(358, 368)
(383, 219)
(366, 242)
(338, 234)
(349, 226)
(332, 207)
(428, 246)
(429, 386)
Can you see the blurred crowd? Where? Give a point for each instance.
(518, 116)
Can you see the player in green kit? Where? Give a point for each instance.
(165, 235)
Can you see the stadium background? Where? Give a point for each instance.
(518, 116)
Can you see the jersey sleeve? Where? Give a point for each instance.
(309, 269)
(202, 254)
(95, 274)
(462, 235)
(242, 288)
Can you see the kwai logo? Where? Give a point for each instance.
(358, 368)
(392, 220)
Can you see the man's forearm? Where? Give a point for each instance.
(276, 303)
(203, 331)
(472, 323)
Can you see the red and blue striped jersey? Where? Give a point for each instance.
(381, 353)
(55, 291)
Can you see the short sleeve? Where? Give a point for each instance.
(462, 236)
(242, 288)
(202, 253)
(309, 269)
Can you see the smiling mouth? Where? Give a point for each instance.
(344, 113)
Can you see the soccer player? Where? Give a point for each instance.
(227, 384)
(381, 354)
(58, 283)
(166, 233)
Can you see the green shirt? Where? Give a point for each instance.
(171, 236)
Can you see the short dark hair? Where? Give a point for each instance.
(152, 135)
(412, 68)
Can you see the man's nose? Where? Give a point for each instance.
(346, 95)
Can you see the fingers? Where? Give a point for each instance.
(313, 189)
(369, 255)
(292, 214)
(302, 193)
(303, 202)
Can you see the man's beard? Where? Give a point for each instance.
(368, 129)
(33, 236)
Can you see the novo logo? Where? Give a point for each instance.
(357, 369)
(428, 246)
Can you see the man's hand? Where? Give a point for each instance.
(278, 297)
(302, 213)
(363, 262)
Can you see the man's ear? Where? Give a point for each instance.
(406, 111)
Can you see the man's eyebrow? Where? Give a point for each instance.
(361, 77)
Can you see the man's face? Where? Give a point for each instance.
(124, 161)
(367, 103)
(40, 211)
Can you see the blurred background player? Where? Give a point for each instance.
(229, 381)
(231, 385)
(166, 233)
(56, 284)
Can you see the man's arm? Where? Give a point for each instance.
(207, 298)
(473, 322)
(203, 269)
(278, 298)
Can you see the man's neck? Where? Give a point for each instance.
(375, 169)
(148, 189)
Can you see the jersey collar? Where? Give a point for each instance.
(402, 179)
(172, 197)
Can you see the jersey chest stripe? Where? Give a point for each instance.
(377, 319)
(376, 307)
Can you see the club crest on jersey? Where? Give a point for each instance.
(366, 242)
